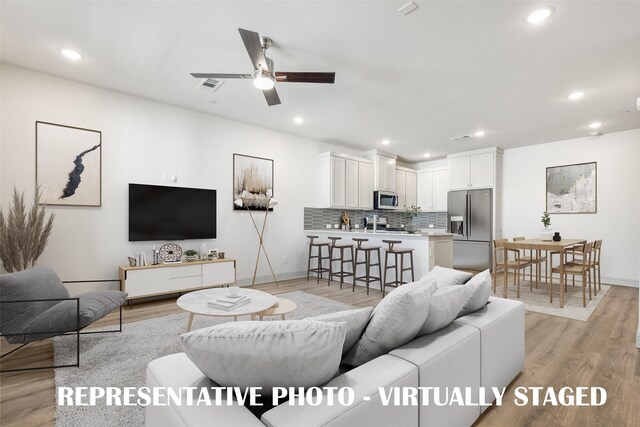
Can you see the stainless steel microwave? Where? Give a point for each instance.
(385, 200)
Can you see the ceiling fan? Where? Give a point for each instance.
(264, 76)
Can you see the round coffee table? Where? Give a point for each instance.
(284, 306)
(196, 303)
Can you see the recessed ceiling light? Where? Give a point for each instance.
(71, 54)
(385, 142)
(576, 95)
(427, 155)
(539, 15)
(595, 125)
(594, 133)
(480, 133)
(298, 120)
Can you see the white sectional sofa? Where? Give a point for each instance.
(484, 348)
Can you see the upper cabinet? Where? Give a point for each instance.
(384, 170)
(345, 181)
(474, 169)
(406, 187)
(433, 186)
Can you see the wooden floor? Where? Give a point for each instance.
(559, 352)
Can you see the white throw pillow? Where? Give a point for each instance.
(444, 306)
(394, 322)
(481, 286)
(356, 320)
(287, 353)
(448, 276)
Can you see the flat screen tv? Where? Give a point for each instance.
(171, 213)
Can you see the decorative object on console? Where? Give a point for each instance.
(69, 164)
(23, 235)
(170, 252)
(190, 255)
(132, 261)
(203, 253)
(270, 203)
(252, 182)
(557, 237)
(547, 233)
(409, 213)
(220, 255)
(572, 188)
(213, 254)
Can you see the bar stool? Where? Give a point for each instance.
(320, 269)
(367, 277)
(399, 254)
(342, 273)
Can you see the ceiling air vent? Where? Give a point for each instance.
(461, 138)
(210, 85)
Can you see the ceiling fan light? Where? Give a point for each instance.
(263, 80)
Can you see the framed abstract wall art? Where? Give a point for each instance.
(572, 188)
(252, 182)
(68, 165)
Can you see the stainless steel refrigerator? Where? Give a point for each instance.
(470, 217)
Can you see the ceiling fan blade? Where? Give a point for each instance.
(253, 45)
(302, 77)
(271, 96)
(221, 76)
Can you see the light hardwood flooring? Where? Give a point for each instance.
(559, 352)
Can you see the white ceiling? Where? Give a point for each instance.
(445, 70)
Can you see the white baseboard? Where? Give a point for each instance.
(620, 282)
(268, 278)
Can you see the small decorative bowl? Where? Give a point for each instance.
(190, 258)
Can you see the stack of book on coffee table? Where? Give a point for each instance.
(229, 302)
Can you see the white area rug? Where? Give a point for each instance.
(537, 300)
(120, 359)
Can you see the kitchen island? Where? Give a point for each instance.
(430, 248)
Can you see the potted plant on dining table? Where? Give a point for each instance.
(547, 233)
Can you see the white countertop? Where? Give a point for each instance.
(360, 232)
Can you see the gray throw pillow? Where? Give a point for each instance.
(394, 322)
(356, 321)
(480, 285)
(444, 306)
(286, 353)
(448, 276)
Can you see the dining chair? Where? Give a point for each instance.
(516, 265)
(534, 258)
(594, 264)
(580, 266)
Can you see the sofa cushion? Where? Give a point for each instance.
(481, 287)
(444, 306)
(448, 276)
(34, 284)
(63, 316)
(395, 321)
(287, 353)
(356, 320)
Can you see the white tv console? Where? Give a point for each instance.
(152, 280)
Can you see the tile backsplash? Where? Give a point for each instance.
(318, 218)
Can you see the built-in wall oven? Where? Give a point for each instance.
(385, 200)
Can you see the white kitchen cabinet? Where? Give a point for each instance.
(345, 181)
(351, 184)
(473, 170)
(384, 170)
(433, 187)
(338, 181)
(406, 187)
(365, 185)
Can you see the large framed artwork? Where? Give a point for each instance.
(68, 165)
(252, 182)
(572, 188)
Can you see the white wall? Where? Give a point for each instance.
(141, 140)
(617, 222)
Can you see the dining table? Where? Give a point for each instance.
(539, 245)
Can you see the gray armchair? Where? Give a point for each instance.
(35, 305)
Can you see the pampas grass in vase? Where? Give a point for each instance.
(23, 234)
